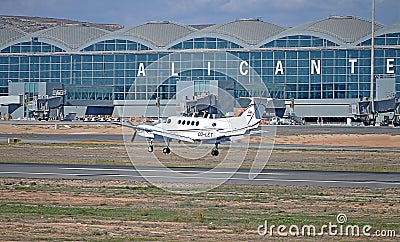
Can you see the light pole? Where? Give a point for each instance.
(371, 94)
(158, 105)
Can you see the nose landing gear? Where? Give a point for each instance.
(150, 148)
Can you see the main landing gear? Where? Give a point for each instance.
(214, 151)
(166, 150)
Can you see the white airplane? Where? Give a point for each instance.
(192, 129)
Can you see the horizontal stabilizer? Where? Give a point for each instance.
(254, 132)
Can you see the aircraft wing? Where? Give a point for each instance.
(156, 131)
(133, 126)
(171, 136)
(126, 124)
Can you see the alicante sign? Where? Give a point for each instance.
(279, 68)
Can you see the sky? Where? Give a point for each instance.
(287, 13)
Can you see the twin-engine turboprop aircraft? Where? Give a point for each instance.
(192, 129)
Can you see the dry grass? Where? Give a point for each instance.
(38, 209)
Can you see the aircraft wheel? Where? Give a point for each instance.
(214, 152)
(166, 150)
(150, 148)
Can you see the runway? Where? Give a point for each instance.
(199, 175)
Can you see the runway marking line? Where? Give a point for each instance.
(215, 178)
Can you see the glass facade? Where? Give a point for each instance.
(33, 46)
(386, 39)
(299, 41)
(116, 45)
(301, 67)
(205, 43)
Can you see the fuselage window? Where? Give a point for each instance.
(168, 121)
(179, 121)
(183, 122)
(192, 123)
(214, 124)
(197, 123)
(188, 122)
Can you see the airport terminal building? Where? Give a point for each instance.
(323, 65)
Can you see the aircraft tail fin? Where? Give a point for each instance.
(252, 114)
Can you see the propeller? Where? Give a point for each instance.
(134, 131)
(130, 125)
(133, 135)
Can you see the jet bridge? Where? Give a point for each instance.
(46, 107)
(8, 103)
(396, 116)
(368, 110)
(11, 100)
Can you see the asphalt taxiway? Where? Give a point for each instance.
(199, 175)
